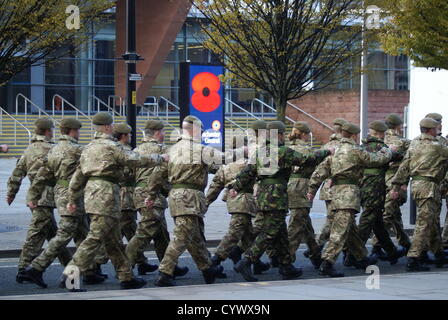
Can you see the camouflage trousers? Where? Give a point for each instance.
(445, 230)
(325, 232)
(240, 230)
(273, 234)
(188, 234)
(128, 223)
(344, 233)
(42, 227)
(257, 224)
(152, 226)
(372, 220)
(426, 233)
(104, 230)
(301, 229)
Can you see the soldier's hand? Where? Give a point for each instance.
(394, 195)
(310, 196)
(393, 148)
(9, 199)
(32, 205)
(71, 207)
(149, 203)
(332, 150)
(4, 148)
(165, 157)
(404, 187)
(233, 193)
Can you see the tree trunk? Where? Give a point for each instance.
(280, 105)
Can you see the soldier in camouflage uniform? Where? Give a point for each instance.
(272, 167)
(345, 168)
(61, 164)
(98, 175)
(43, 225)
(187, 172)
(153, 223)
(300, 227)
(425, 163)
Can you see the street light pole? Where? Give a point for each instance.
(364, 94)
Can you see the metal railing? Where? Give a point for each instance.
(16, 122)
(77, 111)
(234, 123)
(28, 103)
(150, 114)
(248, 114)
(168, 103)
(263, 105)
(310, 116)
(272, 109)
(101, 104)
(112, 105)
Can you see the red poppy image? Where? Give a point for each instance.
(206, 97)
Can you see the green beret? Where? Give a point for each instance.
(44, 123)
(435, 116)
(280, 126)
(71, 123)
(259, 125)
(393, 120)
(339, 121)
(351, 128)
(102, 119)
(193, 120)
(378, 125)
(154, 125)
(302, 126)
(122, 128)
(429, 123)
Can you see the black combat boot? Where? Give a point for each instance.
(180, 271)
(316, 261)
(94, 278)
(164, 280)
(260, 267)
(22, 276)
(398, 253)
(212, 273)
(244, 267)
(326, 269)
(62, 285)
(349, 260)
(216, 260)
(36, 277)
(289, 272)
(441, 259)
(378, 252)
(274, 262)
(416, 265)
(100, 272)
(134, 283)
(235, 254)
(145, 267)
(424, 258)
(364, 263)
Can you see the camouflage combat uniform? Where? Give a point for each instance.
(43, 225)
(241, 208)
(345, 168)
(153, 223)
(300, 227)
(101, 164)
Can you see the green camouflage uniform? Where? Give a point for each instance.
(241, 208)
(444, 191)
(425, 163)
(43, 225)
(300, 227)
(373, 195)
(273, 197)
(345, 168)
(152, 225)
(101, 164)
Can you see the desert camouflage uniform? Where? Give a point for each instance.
(43, 225)
(444, 195)
(153, 223)
(241, 208)
(101, 164)
(300, 227)
(425, 163)
(345, 168)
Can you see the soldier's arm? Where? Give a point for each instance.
(214, 157)
(43, 177)
(15, 180)
(402, 175)
(374, 159)
(156, 180)
(218, 183)
(76, 186)
(246, 177)
(295, 158)
(134, 160)
(322, 172)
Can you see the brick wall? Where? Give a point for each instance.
(328, 105)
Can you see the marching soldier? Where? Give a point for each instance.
(153, 223)
(425, 163)
(98, 177)
(345, 168)
(272, 168)
(43, 225)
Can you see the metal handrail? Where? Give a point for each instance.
(28, 101)
(263, 104)
(100, 103)
(269, 107)
(120, 103)
(78, 112)
(155, 116)
(310, 116)
(167, 104)
(3, 111)
(242, 109)
(234, 123)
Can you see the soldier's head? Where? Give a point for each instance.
(338, 123)
(103, 122)
(123, 133)
(155, 129)
(437, 117)
(44, 127)
(377, 129)
(350, 131)
(301, 130)
(281, 129)
(192, 127)
(71, 127)
(394, 122)
(429, 126)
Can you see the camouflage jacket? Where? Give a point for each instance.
(62, 162)
(273, 169)
(425, 162)
(298, 181)
(244, 202)
(149, 146)
(127, 185)
(325, 191)
(392, 139)
(101, 165)
(444, 185)
(33, 158)
(187, 171)
(346, 168)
